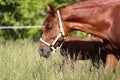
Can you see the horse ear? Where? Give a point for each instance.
(49, 8)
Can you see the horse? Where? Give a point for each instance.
(97, 17)
(75, 48)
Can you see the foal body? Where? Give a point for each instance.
(75, 48)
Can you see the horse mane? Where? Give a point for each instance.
(84, 4)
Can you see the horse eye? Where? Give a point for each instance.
(48, 27)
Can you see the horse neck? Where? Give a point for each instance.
(82, 18)
(81, 10)
(71, 14)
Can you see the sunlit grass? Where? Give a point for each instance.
(20, 61)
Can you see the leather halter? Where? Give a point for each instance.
(61, 34)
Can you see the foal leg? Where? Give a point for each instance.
(67, 61)
(62, 65)
(111, 61)
(111, 58)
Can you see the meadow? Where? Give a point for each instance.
(19, 60)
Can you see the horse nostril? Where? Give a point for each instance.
(48, 52)
(40, 51)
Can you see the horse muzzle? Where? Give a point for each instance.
(44, 52)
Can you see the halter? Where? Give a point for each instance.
(59, 35)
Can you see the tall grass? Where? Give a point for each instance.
(20, 61)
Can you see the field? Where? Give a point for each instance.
(20, 60)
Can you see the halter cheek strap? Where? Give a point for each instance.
(59, 35)
(60, 23)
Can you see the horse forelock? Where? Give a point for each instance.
(49, 19)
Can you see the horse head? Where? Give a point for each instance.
(52, 35)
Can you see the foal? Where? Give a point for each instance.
(83, 49)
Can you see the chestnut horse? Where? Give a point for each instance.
(98, 17)
(75, 48)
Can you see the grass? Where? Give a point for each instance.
(20, 61)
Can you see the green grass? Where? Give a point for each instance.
(20, 61)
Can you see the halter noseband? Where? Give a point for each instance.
(59, 35)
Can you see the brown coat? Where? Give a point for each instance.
(83, 49)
